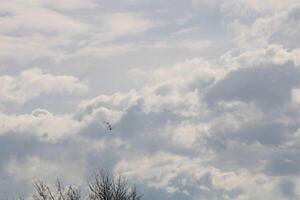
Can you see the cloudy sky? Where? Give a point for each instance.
(203, 95)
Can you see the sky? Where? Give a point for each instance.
(203, 96)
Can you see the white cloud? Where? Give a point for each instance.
(270, 55)
(279, 27)
(24, 18)
(190, 178)
(116, 101)
(121, 24)
(41, 123)
(34, 82)
(213, 128)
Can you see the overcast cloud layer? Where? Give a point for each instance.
(203, 95)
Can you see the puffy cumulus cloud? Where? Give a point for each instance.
(220, 128)
(184, 147)
(185, 178)
(171, 98)
(139, 125)
(179, 89)
(267, 56)
(45, 145)
(117, 101)
(93, 114)
(188, 71)
(130, 114)
(185, 134)
(269, 87)
(34, 82)
(180, 177)
(256, 130)
(279, 27)
(197, 130)
(41, 124)
(236, 134)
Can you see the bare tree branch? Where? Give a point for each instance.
(44, 192)
(105, 186)
(101, 186)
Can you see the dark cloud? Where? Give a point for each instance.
(265, 134)
(269, 87)
(288, 188)
(284, 164)
(270, 133)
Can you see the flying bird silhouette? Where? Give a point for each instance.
(108, 125)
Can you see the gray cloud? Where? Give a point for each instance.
(287, 188)
(269, 87)
(197, 110)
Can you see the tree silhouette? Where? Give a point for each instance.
(101, 186)
(44, 192)
(105, 186)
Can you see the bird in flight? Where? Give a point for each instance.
(108, 125)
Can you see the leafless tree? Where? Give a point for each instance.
(134, 195)
(44, 192)
(105, 186)
(101, 186)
